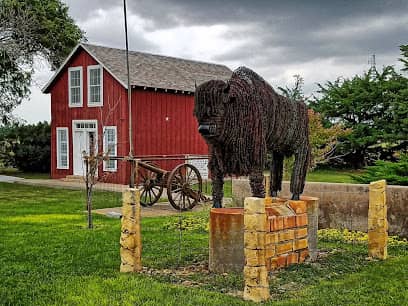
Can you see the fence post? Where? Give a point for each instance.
(130, 238)
(255, 272)
(312, 204)
(377, 220)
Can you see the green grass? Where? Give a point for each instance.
(48, 257)
(332, 175)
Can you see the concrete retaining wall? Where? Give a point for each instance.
(343, 205)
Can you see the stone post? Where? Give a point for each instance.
(312, 205)
(130, 238)
(255, 272)
(377, 220)
(267, 182)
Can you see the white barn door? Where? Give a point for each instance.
(83, 140)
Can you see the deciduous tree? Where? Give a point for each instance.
(374, 106)
(30, 28)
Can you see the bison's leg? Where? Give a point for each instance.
(297, 182)
(217, 178)
(256, 179)
(276, 173)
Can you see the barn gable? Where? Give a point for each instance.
(149, 70)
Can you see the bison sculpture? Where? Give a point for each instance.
(244, 119)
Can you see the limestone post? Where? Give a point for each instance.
(267, 185)
(312, 204)
(255, 272)
(130, 238)
(377, 220)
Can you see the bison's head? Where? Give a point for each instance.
(210, 98)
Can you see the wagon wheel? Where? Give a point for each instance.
(151, 187)
(184, 187)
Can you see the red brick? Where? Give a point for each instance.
(289, 221)
(301, 220)
(300, 244)
(284, 248)
(276, 223)
(286, 235)
(274, 263)
(278, 262)
(281, 261)
(303, 255)
(298, 207)
(300, 232)
(280, 223)
(293, 258)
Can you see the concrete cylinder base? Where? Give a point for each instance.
(226, 240)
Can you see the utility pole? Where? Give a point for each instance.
(132, 167)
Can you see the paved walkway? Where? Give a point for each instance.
(69, 184)
(9, 179)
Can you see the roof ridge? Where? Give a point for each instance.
(157, 55)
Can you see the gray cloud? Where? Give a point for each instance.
(320, 40)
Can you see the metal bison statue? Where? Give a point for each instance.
(243, 120)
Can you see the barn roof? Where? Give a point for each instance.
(151, 70)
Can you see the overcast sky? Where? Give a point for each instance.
(320, 40)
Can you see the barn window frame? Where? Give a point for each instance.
(62, 156)
(71, 87)
(92, 103)
(110, 165)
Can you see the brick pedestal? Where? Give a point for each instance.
(287, 232)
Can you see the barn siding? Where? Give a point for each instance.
(152, 134)
(114, 112)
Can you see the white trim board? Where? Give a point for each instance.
(57, 147)
(88, 78)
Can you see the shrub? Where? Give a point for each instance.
(27, 147)
(347, 236)
(192, 223)
(395, 173)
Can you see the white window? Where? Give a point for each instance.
(62, 148)
(75, 86)
(110, 147)
(95, 85)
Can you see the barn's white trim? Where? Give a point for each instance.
(60, 160)
(100, 102)
(81, 87)
(106, 144)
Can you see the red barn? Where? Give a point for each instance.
(89, 108)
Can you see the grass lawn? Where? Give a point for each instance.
(332, 175)
(48, 257)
